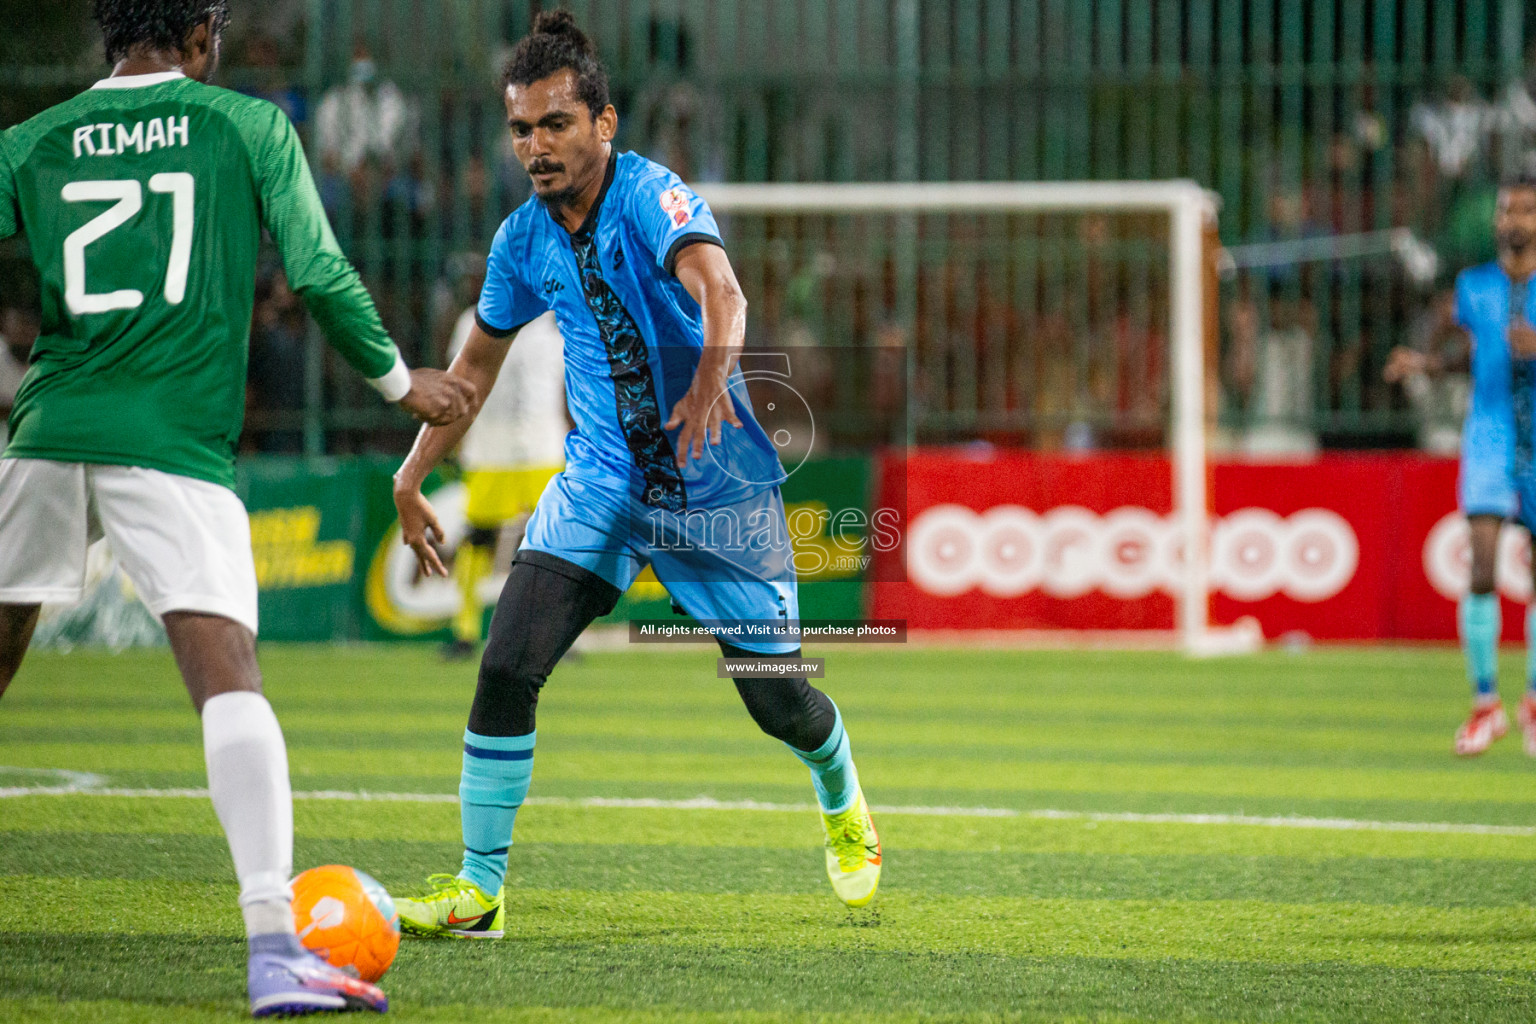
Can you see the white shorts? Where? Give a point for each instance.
(185, 543)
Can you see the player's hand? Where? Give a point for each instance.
(700, 414)
(438, 397)
(420, 530)
(1404, 363)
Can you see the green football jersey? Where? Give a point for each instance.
(143, 200)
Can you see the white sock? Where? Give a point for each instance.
(248, 780)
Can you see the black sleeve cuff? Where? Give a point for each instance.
(497, 332)
(684, 241)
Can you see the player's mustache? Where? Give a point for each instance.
(545, 167)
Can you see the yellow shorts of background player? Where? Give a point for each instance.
(495, 497)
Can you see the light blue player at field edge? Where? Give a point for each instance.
(1496, 306)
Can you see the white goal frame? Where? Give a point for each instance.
(1188, 207)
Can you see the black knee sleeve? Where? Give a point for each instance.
(543, 608)
(791, 710)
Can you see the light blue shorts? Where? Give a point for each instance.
(1487, 484)
(727, 567)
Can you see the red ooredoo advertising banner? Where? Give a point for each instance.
(1341, 547)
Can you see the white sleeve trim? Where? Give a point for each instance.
(395, 384)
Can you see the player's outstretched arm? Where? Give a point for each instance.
(476, 367)
(706, 272)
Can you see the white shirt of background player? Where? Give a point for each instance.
(523, 421)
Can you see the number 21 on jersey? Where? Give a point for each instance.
(127, 197)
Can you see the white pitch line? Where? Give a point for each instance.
(1286, 821)
(82, 780)
(705, 803)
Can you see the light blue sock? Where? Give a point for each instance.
(832, 771)
(1480, 623)
(493, 786)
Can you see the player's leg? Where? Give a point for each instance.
(1486, 494)
(495, 497)
(472, 563)
(45, 528)
(1527, 713)
(805, 719)
(186, 546)
(573, 566)
(472, 560)
(246, 758)
(1479, 624)
(17, 621)
(1479, 620)
(544, 606)
(728, 578)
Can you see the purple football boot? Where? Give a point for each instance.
(285, 979)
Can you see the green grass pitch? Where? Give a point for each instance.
(123, 907)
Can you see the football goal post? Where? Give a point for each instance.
(1029, 313)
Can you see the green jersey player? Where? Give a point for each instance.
(143, 200)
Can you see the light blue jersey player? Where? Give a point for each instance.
(636, 343)
(666, 467)
(1495, 306)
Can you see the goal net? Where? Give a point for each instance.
(1058, 319)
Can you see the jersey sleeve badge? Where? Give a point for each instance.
(676, 203)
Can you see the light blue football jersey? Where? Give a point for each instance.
(633, 336)
(1500, 426)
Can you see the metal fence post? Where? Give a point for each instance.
(905, 166)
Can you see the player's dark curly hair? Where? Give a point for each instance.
(157, 24)
(1524, 179)
(554, 45)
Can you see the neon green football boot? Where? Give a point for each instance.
(456, 909)
(853, 853)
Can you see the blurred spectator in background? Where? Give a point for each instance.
(1453, 133)
(268, 79)
(455, 291)
(1368, 131)
(474, 187)
(409, 196)
(332, 186)
(669, 111)
(803, 306)
(1433, 371)
(1516, 121)
(1272, 355)
(280, 19)
(18, 330)
(366, 128)
(1056, 407)
(1464, 239)
(1345, 204)
(276, 382)
(1140, 348)
(1269, 372)
(1453, 128)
